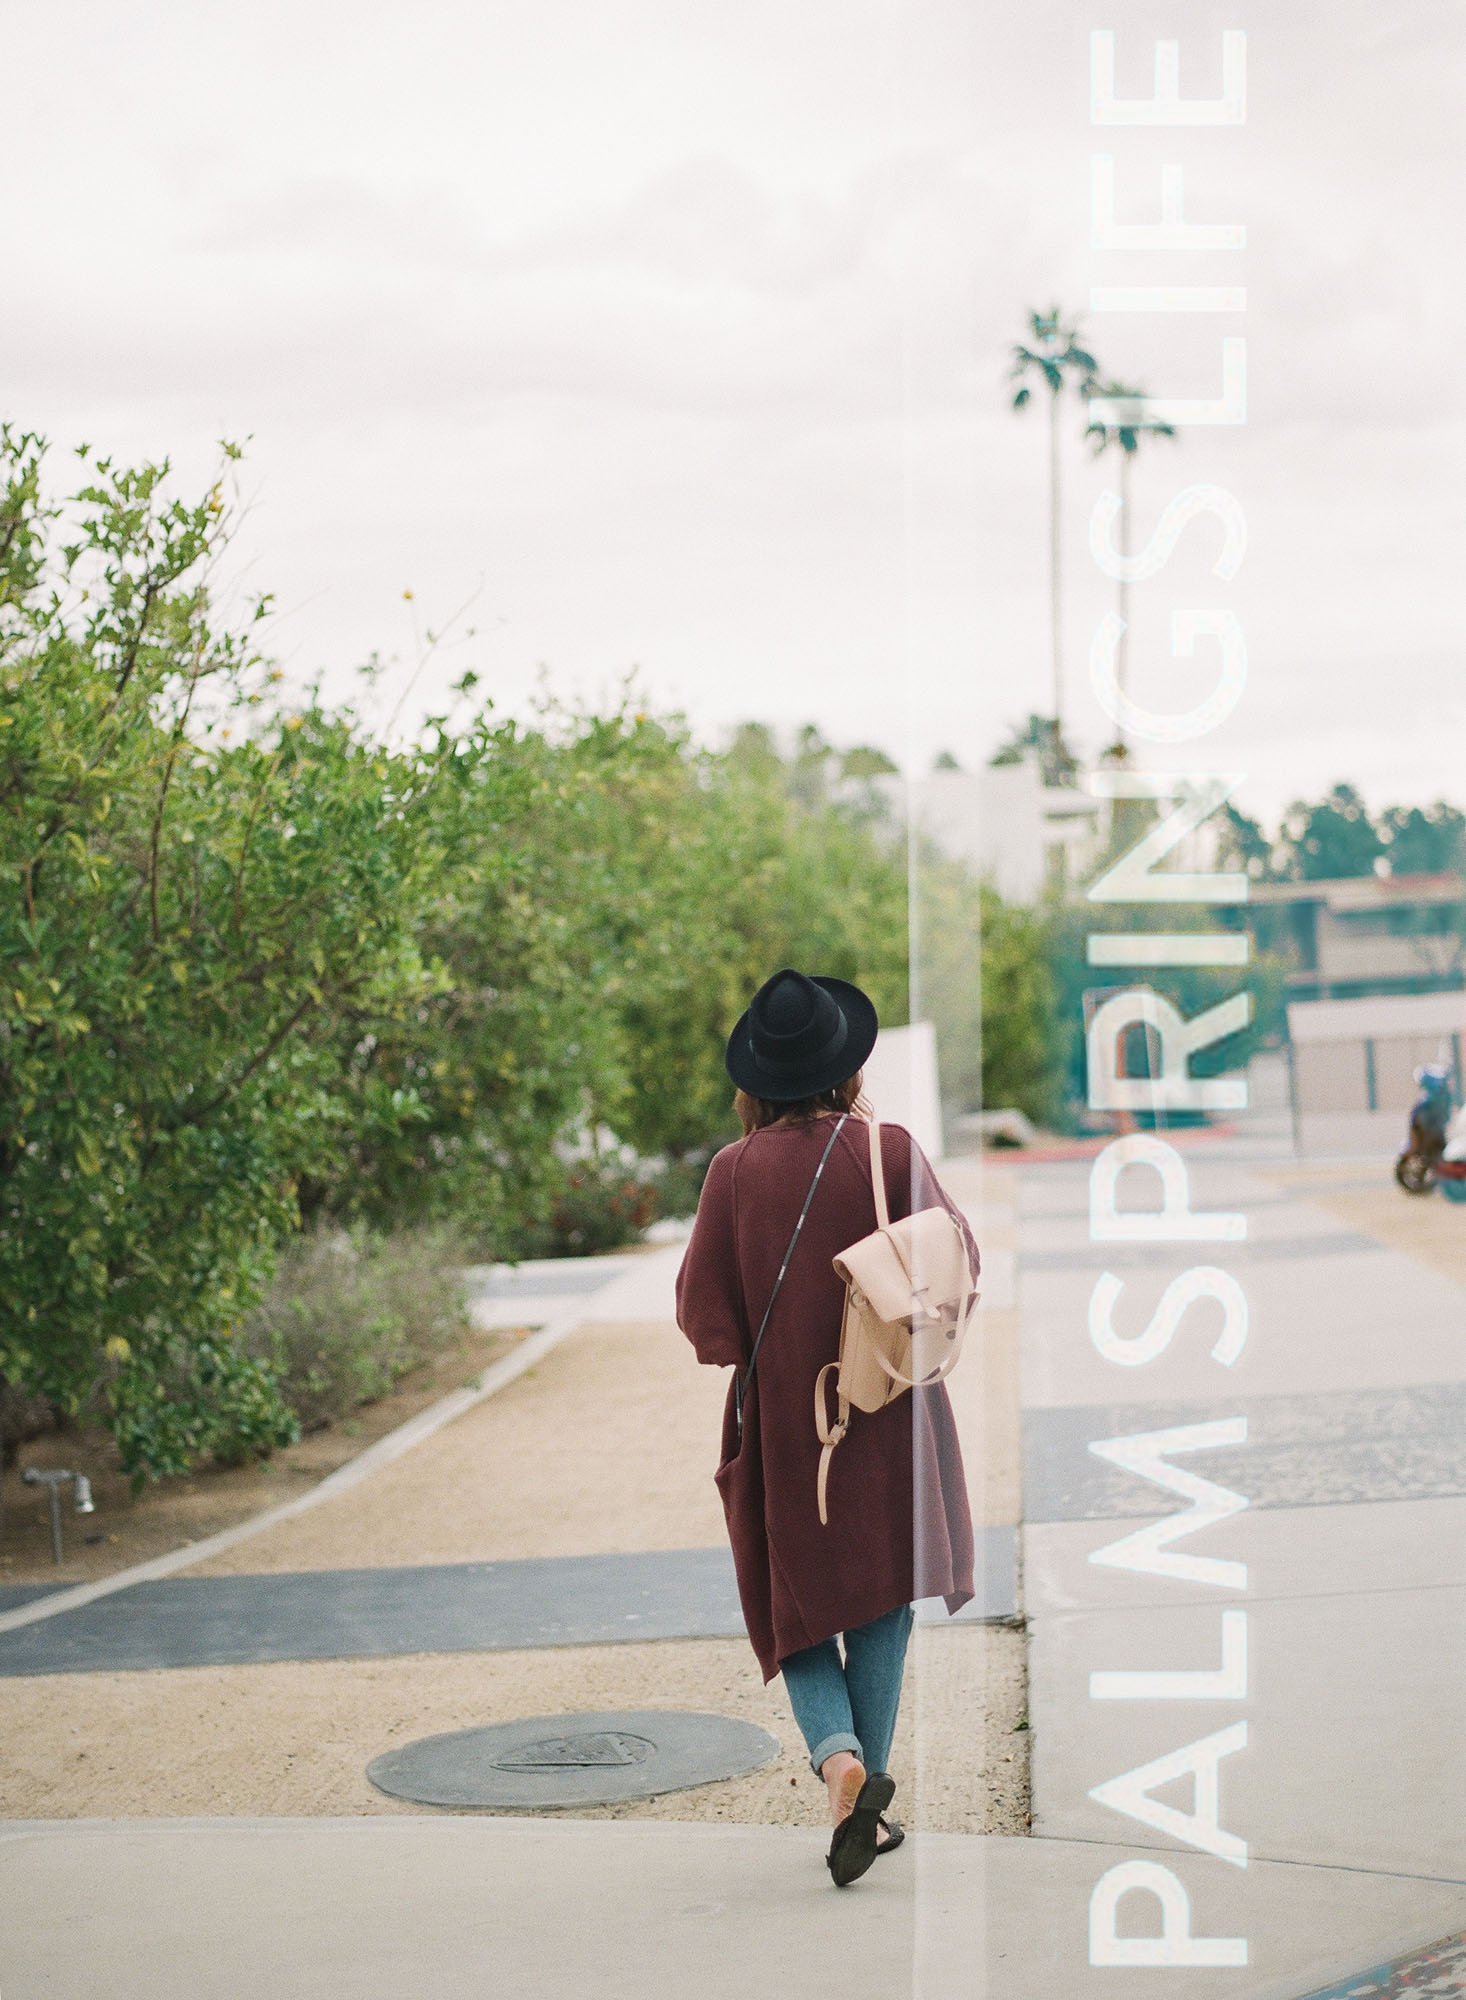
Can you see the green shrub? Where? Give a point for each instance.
(193, 890)
(188, 1397)
(21, 1418)
(679, 1184)
(602, 1206)
(350, 1312)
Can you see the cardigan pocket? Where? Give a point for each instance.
(739, 1472)
(731, 1439)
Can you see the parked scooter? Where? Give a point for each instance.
(1450, 1171)
(1435, 1152)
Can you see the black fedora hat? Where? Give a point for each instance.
(800, 1036)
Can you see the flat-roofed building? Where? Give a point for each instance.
(1366, 934)
(1352, 1065)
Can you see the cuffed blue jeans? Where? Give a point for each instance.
(851, 1704)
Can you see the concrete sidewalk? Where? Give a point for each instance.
(416, 1908)
(1353, 1386)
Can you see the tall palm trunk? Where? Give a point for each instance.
(1056, 600)
(1122, 650)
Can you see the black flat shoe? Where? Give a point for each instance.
(854, 1846)
(895, 1835)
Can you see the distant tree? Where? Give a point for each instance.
(1122, 431)
(809, 774)
(1330, 839)
(864, 761)
(753, 752)
(945, 761)
(1424, 841)
(1241, 843)
(1039, 739)
(987, 985)
(1051, 351)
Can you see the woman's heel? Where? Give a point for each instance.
(854, 1846)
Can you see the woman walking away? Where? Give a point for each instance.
(758, 1292)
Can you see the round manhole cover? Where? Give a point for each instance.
(573, 1760)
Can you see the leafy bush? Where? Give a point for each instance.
(602, 1206)
(183, 1398)
(746, 862)
(678, 1184)
(988, 986)
(192, 897)
(350, 1312)
(21, 1418)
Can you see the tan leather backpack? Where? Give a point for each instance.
(909, 1297)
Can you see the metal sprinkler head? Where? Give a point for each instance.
(54, 1481)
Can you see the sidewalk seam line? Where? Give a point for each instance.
(1272, 1860)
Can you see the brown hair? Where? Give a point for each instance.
(754, 1113)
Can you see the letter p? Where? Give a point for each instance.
(1175, 1945)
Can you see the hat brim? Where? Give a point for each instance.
(862, 1027)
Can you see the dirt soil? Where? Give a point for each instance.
(295, 1737)
(175, 1512)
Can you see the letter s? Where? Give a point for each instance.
(1180, 512)
(1202, 1281)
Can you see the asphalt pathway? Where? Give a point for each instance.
(423, 1608)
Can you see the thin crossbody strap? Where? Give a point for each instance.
(742, 1382)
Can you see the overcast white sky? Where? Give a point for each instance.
(678, 336)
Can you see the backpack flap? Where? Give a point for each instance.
(913, 1270)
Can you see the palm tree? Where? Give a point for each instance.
(1122, 429)
(1040, 739)
(1052, 351)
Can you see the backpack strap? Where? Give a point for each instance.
(878, 1177)
(943, 1368)
(829, 1437)
(741, 1382)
